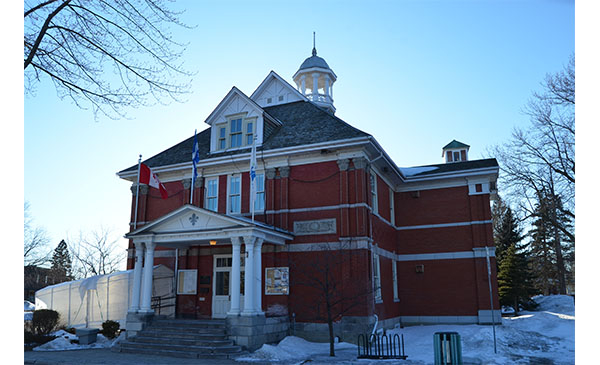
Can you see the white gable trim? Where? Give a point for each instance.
(292, 93)
(235, 103)
(190, 225)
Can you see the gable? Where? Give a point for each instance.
(188, 218)
(235, 105)
(274, 91)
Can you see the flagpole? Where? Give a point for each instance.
(194, 161)
(137, 193)
(253, 178)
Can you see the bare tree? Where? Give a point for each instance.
(96, 253)
(540, 160)
(322, 275)
(35, 243)
(107, 54)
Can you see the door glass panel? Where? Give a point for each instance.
(222, 278)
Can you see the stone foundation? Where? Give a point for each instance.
(253, 331)
(136, 322)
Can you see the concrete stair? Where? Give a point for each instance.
(204, 339)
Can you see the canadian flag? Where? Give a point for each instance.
(150, 178)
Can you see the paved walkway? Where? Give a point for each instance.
(105, 356)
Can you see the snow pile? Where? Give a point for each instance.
(63, 342)
(545, 336)
(292, 348)
(563, 304)
(28, 306)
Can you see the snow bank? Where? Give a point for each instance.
(546, 336)
(63, 342)
(563, 304)
(292, 348)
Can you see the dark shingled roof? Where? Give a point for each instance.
(458, 166)
(455, 144)
(302, 123)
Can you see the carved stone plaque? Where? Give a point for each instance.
(321, 226)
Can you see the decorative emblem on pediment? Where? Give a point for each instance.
(193, 219)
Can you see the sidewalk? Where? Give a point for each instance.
(105, 356)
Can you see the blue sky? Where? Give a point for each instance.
(414, 74)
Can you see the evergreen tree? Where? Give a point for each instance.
(61, 263)
(551, 251)
(506, 231)
(514, 278)
(515, 286)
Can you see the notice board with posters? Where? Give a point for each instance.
(277, 281)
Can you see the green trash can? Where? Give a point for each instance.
(447, 348)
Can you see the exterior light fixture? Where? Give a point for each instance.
(213, 242)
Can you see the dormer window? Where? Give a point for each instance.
(237, 132)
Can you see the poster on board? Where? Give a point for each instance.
(277, 281)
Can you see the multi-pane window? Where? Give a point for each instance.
(235, 131)
(373, 181)
(235, 194)
(249, 133)
(259, 202)
(376, 277)
(212, 189)
(222, 138)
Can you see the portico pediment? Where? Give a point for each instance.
(191, 225)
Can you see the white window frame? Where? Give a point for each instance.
(240, 132)
(373, 183)
(395, 280)
(216, 196)
(246, 133)
(377, 278)
(222, 126)
(260, 175)
(229, 195)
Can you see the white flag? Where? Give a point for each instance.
(253, 176)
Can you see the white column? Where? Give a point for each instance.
(137, 277)
(315, 89)
(234, 310)
(258, 275)
(147, 279)
(249, 278)
(326, 85)
(303, 78)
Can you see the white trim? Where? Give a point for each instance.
(205, 203)
(443, 225)
(228, 205)
(316, 209)
(477, 252)
(395, 281)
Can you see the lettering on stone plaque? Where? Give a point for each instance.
(321, 226)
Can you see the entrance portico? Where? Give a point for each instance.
(193, 226)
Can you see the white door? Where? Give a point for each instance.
(222, 286)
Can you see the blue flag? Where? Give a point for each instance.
(195, 159)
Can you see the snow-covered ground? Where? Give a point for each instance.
(63, 342)
(546, 336)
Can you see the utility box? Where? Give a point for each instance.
(447, 348)
(87, 335)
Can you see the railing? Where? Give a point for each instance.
(381, 347)
(159, 302)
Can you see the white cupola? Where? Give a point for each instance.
(314, 79)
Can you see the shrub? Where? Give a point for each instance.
(44, 321)
(110, 329)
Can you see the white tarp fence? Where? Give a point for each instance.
(89, 302)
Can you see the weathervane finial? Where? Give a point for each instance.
(314, 52)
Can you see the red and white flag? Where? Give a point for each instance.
(150, 178)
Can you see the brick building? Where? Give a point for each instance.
(408, 245)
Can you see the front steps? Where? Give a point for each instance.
(205, 339)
